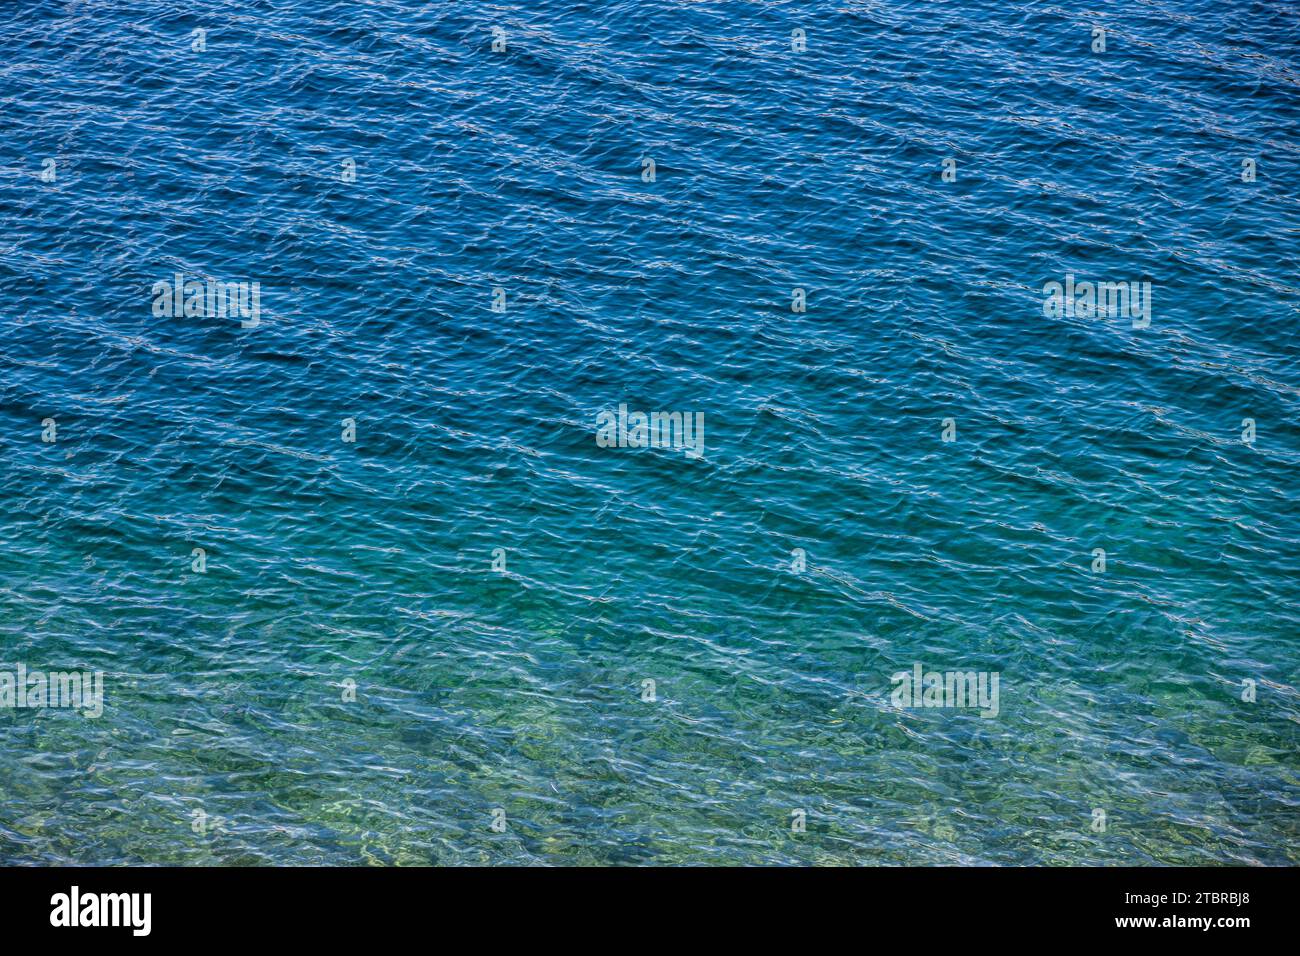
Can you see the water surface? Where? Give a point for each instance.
(331, 562)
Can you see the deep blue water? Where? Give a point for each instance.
(522, 690)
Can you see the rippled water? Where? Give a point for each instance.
(329, 562)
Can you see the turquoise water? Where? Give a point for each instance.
(227, 694)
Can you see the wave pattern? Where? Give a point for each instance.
(331, 562)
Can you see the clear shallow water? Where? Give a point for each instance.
(370, 562)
